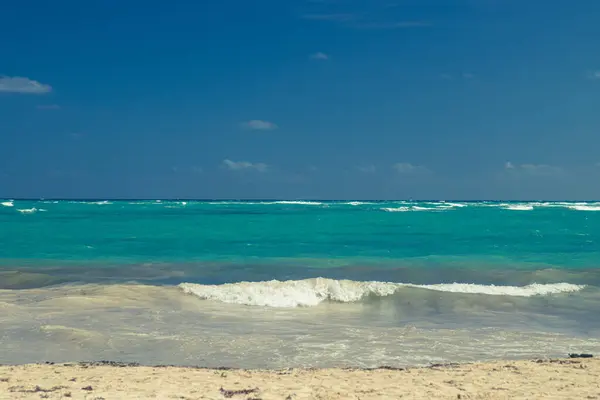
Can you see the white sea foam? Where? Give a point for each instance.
(518, 207)
(254, 203)
(101, 203)
(535, 289)
(311, 292)
(8, 203)
(584, 207)
(416, 208)
(436, 207)
(298, 202)
(460, 205)
(399, 209)
(28, 210)
(580, 206)
(357, 203)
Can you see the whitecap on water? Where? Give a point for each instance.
(584, 207)
(357, 203)
(297, 202)
(518, 207)
(29, 210)
(398, 209)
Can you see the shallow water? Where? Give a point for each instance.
(407, 283)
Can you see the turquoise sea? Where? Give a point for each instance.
(271, 284)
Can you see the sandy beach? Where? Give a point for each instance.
(535, 379)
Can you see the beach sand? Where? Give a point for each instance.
(538, 379)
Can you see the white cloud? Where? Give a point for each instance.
(244, 165)
(259, 125)
(319, 56)
(541, 169)
(367, 169)
(17, 84)
(534, 169)
(408, 168)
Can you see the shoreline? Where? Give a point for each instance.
(576, 378)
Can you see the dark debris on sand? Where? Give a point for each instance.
(37, 389)
(230, 393)
(582, 355)
(104, 363)
(447, 365)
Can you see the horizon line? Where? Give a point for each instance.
(85, 199)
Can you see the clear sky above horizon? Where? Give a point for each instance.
(338, 99)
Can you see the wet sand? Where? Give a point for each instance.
(537, 379)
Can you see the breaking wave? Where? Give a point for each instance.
(296, 202)
(30, 210)
(585, 207)
(417, 208)
(311, 292)
(399, 209)
(519, 207)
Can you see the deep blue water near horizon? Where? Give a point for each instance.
(95, 272)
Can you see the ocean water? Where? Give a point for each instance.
(275, 284)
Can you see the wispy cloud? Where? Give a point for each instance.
(244, 165)
(408, 168)
(594, 75)
(17, 84)
(259, 125)
(367, 169)
(360, 21)
(76, 135)
(330, 17)
(533, 169)
(319, 56)
(391, 25)
(48, 107)
(464, 75)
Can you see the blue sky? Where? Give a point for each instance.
(464, 99)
